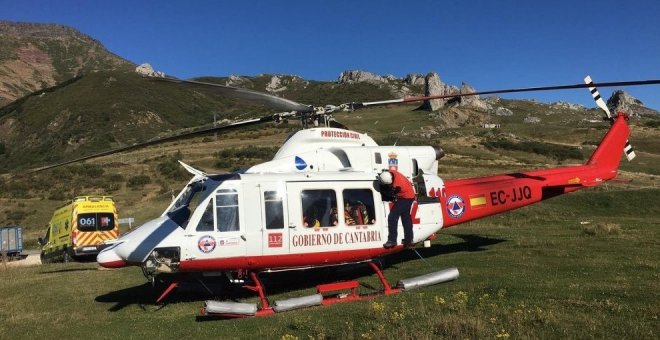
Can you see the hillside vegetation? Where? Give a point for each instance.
(38, 56)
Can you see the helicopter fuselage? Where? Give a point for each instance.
(318, 204)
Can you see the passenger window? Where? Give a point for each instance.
(226, 210)
(358, 207)
(319, 208)
(274, 211)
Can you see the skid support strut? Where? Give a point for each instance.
(387, 290)
(172, 285)
(259, 288)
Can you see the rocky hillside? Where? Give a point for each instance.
(38, 56)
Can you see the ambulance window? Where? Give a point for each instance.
(358, 207)
(226, 210)
(274, 210)
(319, 208)
(96, 221)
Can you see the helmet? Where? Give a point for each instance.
(385, 177)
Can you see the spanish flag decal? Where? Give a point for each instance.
(478, 201)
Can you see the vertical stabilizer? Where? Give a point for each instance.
(608, 153)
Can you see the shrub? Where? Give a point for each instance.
(170, 167)
(16, 216)
(244, 157)
(558, 152)
(138, 181)
(602, 229)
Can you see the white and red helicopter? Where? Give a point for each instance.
(318, 202)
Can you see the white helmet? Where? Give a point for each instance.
(385, 177)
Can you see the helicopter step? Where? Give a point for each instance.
(327, 294)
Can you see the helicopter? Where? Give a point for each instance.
(319, 203)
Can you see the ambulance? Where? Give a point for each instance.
(78, 229)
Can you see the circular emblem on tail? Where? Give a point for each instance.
(455, 206)
(206, 244)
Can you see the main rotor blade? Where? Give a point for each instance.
(161, 140)
(245, 94)
(523, 89)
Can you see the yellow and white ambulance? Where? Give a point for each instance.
(79, 228)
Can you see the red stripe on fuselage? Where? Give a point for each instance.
(285, 261)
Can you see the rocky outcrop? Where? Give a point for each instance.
(237, 81)
(621, 101)
(275, 85)
(414, 79)
(531, 120)
(502, 111)
(567, 105)
(357, 76)
(435, 87)
(471, 101)
(146, 70)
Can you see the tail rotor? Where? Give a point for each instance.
(628, 149)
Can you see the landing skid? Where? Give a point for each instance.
(326, 294)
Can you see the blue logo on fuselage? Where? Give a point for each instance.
(300, 163)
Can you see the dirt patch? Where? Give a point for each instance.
(29, 258)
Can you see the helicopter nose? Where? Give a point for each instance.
(109, 258)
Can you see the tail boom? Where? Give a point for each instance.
(469, 199)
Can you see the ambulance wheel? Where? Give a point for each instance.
(67, 256)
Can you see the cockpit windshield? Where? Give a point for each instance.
(190, 196)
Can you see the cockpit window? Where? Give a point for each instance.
(226, 210)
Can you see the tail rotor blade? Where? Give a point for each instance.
(596, 95)
(628, 150)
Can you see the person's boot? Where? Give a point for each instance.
(389, 244)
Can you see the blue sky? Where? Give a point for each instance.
(488, 44)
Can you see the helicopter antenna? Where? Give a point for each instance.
(399, 136)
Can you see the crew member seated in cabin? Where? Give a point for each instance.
(348, 211)
(312, 218)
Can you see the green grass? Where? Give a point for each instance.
(532, 273)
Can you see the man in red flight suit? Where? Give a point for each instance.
(404, 195)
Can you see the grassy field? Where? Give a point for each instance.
(538, 272)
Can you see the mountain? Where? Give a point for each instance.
(72, 97)
(38, 56)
